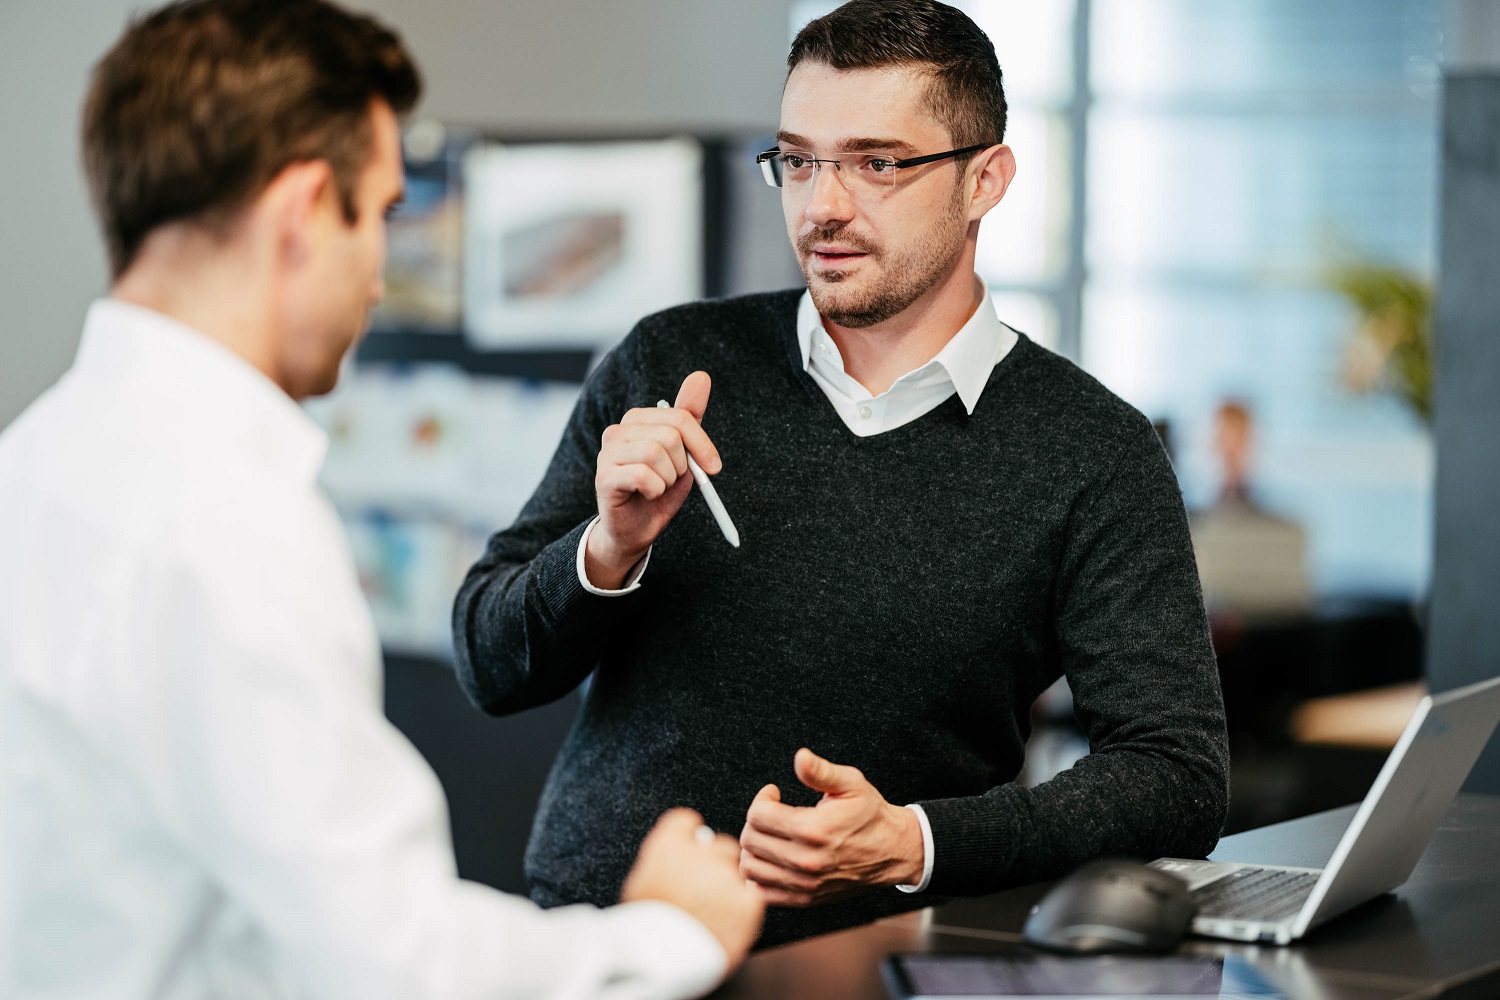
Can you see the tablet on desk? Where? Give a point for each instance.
(986, 977)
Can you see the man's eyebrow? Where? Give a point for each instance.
(852, 145)
(877, 143)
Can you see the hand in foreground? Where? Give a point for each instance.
(851, 840)
(698, 876)
(642, 479)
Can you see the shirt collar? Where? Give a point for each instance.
(967, 359)
(224, 394)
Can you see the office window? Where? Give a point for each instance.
(1188, 174)
(1025, 252)
(1236, 153)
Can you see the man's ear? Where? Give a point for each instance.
(993, 170)
(295, 205)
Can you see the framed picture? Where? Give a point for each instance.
(569, 244)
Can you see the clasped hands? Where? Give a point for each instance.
(852, 840)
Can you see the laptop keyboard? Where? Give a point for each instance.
(1255, 894)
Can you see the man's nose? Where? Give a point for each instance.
(829, 203)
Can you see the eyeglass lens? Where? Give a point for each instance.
(857, 171)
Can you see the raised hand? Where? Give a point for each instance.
(852, 840)
(642, 479)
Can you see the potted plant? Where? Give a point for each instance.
(1392, 345)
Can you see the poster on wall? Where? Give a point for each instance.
(424, 236)
(569, 244)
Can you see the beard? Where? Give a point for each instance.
(901, 277)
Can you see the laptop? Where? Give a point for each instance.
(1389, 832)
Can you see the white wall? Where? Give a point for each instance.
(526, 65)
(576, 64)
(51, 259)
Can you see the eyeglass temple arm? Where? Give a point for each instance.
(917, 161)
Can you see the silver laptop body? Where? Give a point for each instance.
(1389, 832)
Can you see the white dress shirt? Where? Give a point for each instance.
(199, 794)
(963, 366)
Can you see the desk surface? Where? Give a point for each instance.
(1439, 934)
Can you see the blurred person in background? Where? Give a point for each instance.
(939, 519)
(200, 796)
(1251, 562)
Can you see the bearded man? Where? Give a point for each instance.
(939, 519)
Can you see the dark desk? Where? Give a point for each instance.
(1437, 935)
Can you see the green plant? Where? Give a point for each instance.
(1392, 345)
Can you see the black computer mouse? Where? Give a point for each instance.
(1112, 905)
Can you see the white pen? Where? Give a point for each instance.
(710, 495)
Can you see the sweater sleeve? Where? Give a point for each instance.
(1133, 638)
(525, 630)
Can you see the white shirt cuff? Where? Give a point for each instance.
(677, 956)
(632, 579)
(927, 852)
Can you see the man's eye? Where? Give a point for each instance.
(794, 161)
(881, 166)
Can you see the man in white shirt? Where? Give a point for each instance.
(200, 796)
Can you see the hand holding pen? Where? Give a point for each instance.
(643, 476)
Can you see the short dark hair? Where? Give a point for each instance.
(201, 103)
(965, 94)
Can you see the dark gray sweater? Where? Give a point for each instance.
(898, 603)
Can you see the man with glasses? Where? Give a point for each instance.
(939, 519)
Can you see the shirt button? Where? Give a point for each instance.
(824, 349)
(865, 412)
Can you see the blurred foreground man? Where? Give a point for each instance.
(200, 795)
(938, 517)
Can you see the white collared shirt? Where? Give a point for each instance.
(199, 793)
(963, 366)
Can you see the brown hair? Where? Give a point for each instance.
(965, 94)
(201, 103)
